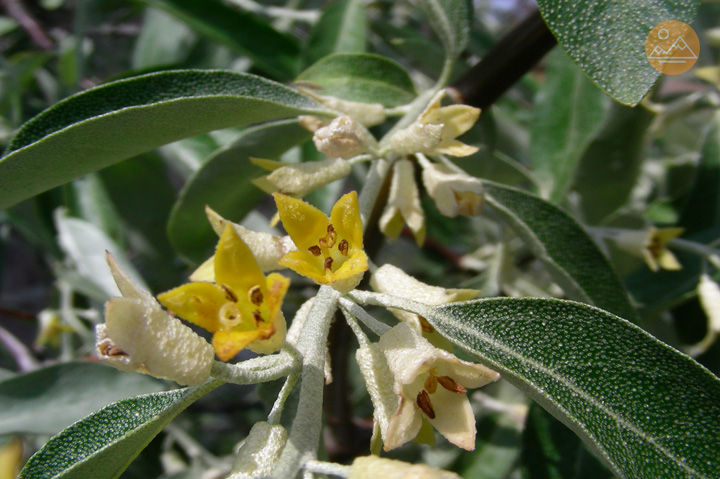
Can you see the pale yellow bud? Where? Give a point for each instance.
(454, 193)
(374, 467)
(260, 452)
(300, 179)
(343, 138)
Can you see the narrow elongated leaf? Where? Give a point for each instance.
(103, 444)
(451, 21)
(360, 77)
(223, 183)
(570, 108)
(271, 51)
(611, 163)
(702, 208)
(48, 400)
(119, 120)
(607, 39)
(552, 451)
(342, 29)
(573, 259)
(648, 410)
(163, 40)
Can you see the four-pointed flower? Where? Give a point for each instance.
(330, 250)
(431, 384)
(242, 307)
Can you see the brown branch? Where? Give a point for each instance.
(17, 10)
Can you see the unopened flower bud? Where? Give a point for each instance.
(343, 138)
(367, 114)
(372, 467)
(260, 452)
(454, 193)
(709, 295)
(403, 205)
(299, 179)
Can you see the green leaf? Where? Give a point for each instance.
(572, 258)
(360, 77)
(342, 29)
(162, 41)
(450, 19)
(607, 39)
(271, 51)
(569, 110)
(122, 119)
(47, 400)
(702, 208)
(611, 163)
(648, 410)
(223, 183)
(552, 451)
(103, 444)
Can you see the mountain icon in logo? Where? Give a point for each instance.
(678, 52)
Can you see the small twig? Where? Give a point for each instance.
(19, 352)
(17, 11)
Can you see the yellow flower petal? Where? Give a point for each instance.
(235, 265)
(303, 222)
(205, 272)
(228, 343)
(198, 303)
(345, 217)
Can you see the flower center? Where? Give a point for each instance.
(230, 314)
(329, 244)
(431, 383)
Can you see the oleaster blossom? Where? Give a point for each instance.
(651, 244)
(373, 467)
(390, 279)
(342, 138)
(436, 130)
(299, 179)
(330, 250)
(454, 193)
(260, 452)
(139, 335)
(403, 205)
(709, 295)
(431, 384)
(367, 114)
(242, 307)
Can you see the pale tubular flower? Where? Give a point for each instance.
(261, 450)
(436, 130)
(139, 335)
(403, 205)
(367, 114)
(454, 193)
(300, 179)
(373, 467)
(267, 248)
(431, 384)
(342, 138)
(651, 244)
(390, 279)
(379, 383)
(709, 295)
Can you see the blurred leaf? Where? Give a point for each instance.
(648, 410)
(572, 258)
(552, 451)
(415, 49)
(162, 41)
(450, 19)
(187, 155)
(702, 208)
(103, 444)
(341, 29)
(611, 163)
(607, 39)
(223, 183)
(92, 203)
(119, 120)
(48, 400)
(569, 108)
(360, 77)
(85, 246)
(271, 51)
(142, 195)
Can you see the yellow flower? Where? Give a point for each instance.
(651, 244)
(436, 130)
(242, 307)
(403, 204)
(430, 384)
(330, 250)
